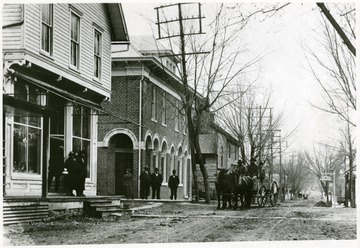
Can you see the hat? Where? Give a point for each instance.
(156, 169)
(146, 168)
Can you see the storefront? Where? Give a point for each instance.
(38, 118)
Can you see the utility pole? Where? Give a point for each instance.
(196, 156)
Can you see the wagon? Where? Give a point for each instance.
(265, 191)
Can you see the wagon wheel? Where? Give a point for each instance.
(261, 199)
(274, 194)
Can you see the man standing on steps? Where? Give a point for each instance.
(156, 181)
(173, 185)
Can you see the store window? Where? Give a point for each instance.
(27, 131)
(27, 144)
(81, 132)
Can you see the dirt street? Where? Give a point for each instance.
(188, 222)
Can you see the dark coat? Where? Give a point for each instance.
(156, 180)
(144, 179)
(173, 181)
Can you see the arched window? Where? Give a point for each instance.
(163, 161)
(155, 158)
(180, 165)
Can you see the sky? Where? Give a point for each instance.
(284, 69)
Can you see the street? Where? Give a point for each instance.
(189, 222)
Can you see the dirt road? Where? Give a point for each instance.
(187, 222)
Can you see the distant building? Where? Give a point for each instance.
(145, 125)
(219, 149)
(57, 73)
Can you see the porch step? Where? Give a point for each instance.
(20, 213)
(101, 208)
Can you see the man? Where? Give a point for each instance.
(127, 180)
(70, 165)
(56, 167)
(80, 174)
(253, 170)
(173, 185)
(144, 183)
(156, 181)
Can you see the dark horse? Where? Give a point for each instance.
(243, 190)
(225, 186)
(231, 186)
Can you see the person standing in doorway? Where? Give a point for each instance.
(156, 181)
(173, 185)
(144, 183)
(80, 174)
(128, 184)
(56, 167)
(70, 166)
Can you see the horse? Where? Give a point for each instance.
(225, 185)
(243, 189)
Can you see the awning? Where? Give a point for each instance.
(62, 93)
(17, 107)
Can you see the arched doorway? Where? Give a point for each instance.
(123, 160)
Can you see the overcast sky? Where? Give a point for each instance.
(284, 69)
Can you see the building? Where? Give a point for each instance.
(219, 149)
(144, 125)
(57, 74)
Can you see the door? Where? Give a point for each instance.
(123, 161)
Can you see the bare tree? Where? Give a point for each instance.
(252, 121)
(297, 176)
(323, 160)
(208, 74)
(334, 68)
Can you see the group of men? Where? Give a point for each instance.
(155, 180)
(74, 171)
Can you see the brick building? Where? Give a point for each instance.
(57, 72)
(144, 124)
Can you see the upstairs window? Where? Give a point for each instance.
(163, 109)
(46, 28)
(97, 54)
(177, 118)
(75, 40)
(153, 104)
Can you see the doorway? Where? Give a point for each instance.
(123, 161)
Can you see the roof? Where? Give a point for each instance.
(119, 31)
(224, 132)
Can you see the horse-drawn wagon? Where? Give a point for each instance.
(232, 186)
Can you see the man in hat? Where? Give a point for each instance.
(144, 183)
(156, 181)
(253, 168)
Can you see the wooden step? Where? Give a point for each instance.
(19, 213)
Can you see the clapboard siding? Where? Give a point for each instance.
(61, 48)
(11, 13)
(92, 13)
(32, 27)
(11, 37)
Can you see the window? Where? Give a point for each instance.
(27, 132)
(153, 104)
(177, 119)
(27, 144)
(75, 40)
(81, 132)
(229, 151)
(163, 109)
(97, 54)
(179, 169)
(46, 28)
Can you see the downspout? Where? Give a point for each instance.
(140, 122)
